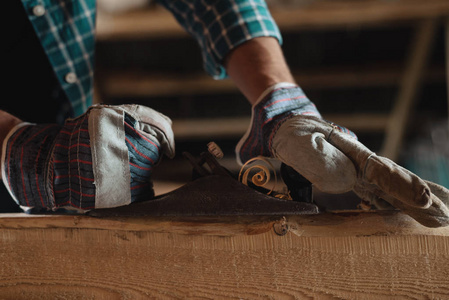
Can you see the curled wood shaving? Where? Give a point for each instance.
(364, 206)
(261, 177)
(284, 196)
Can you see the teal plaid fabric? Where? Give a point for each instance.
(66, 29)
(220, 26)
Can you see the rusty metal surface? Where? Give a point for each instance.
(213, 195)
(213, 191)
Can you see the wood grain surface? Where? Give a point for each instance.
(328, 256)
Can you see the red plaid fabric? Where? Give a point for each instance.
(48, 167)
(269, 114)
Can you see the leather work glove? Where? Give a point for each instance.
(103, 158)
(287, 126)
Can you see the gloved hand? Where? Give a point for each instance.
(286, 125)
(104, 158)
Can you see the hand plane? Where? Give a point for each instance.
(213, 191)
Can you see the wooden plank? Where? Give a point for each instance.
(411, 84)
(342, 223)
(203, 226)
(152, 23)
(139, 84)
(236, 127)
(345, 256)
(344, 13)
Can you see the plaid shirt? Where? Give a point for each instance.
(220, 26)
(66, 29)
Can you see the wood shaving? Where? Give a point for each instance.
(364, 206)
(262, 176)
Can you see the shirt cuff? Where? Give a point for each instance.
(241, 22)
(222, 26)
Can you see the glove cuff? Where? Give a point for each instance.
(25, 164)
(144, 152)
(5, 157)
(276, 105)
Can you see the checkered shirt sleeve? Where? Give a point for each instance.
(220, 26)
(66, 29)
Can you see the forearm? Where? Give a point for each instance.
(7, 122)
(256, 65)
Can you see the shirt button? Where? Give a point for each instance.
(70, 77)
(39, 10)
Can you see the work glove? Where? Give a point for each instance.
(287, 126)
(103, 158)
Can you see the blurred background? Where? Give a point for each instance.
(377, 67)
